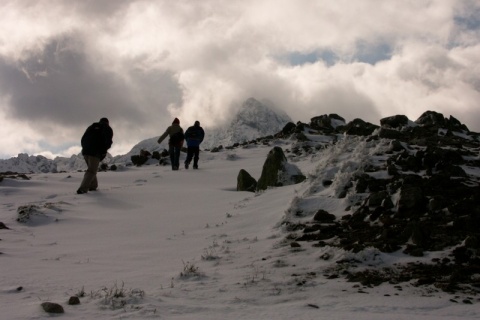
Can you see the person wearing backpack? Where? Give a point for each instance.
(96, 140)
(194, 136)
(175, 143)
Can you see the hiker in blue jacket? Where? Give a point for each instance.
(194, 136)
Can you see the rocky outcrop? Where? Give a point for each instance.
(422, 197)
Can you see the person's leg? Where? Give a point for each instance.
(90, 176)
(196, 156)
(189, 157)
(177, 157)
(171, 151)
(94, 182)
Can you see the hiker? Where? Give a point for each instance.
(96, 140)
(175, 143)
(194, 136)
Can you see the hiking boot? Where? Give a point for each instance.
(195, 167)
(79, 191)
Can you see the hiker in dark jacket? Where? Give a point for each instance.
(175, 143)
(96, 140)
(194, 136)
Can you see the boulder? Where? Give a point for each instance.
(387, 133)
(431, 118)
(326, 123)
(289, 128)
(323, 216)
(74, 300)
(245, 182)
(52, 307)
(395, 122)
(411, 200)
(278, 172)
(139, 160)
(358, 127)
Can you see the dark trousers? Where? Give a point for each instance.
(193, 152)
(174, 156)
(89, 181)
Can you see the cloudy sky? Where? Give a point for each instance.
(66, 63)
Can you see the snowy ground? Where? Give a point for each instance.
(159, 244)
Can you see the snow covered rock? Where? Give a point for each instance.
(278, 172)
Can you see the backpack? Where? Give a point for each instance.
(177, 138)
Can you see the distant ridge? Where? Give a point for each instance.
(256, 120)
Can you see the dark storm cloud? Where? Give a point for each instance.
(63, 85)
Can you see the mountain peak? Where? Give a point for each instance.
(254, 119)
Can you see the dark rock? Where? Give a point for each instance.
(323, 216)
(431, 118)
(391, 134)
(245, 182)
(411, 199)
(277, 171)
(376, 198)
(52, 307)
(288, 129)
(74, 301)
(455, 125)
(139, 160)
(300, 136)
(396, 122)
(324, 123)
(3, 226)
(359, 127)
(396, 146)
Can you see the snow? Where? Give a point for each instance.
(186, 245)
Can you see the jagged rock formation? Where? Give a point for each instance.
(415, 191)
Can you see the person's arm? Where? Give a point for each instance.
(163, 136)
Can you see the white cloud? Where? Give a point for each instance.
(141, 63)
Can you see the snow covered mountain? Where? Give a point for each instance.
(255, 119)
(385, 226)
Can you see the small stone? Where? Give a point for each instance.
(73, 301)
(52, 307)
(295, 245)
